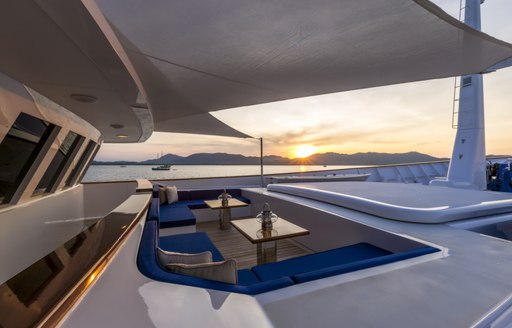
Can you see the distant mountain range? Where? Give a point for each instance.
(370, 158)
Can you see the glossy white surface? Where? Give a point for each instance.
(404, 202)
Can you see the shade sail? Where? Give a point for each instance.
(57, 48)
(197, 124)
(213, 55)
(189, 58)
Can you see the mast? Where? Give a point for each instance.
(467, 164)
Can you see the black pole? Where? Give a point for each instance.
(261, 161)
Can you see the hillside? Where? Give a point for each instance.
(370, 158)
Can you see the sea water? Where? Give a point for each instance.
(131, 172)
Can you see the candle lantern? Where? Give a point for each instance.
(224, 198)
(266, 218)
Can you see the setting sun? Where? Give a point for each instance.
(304, 151)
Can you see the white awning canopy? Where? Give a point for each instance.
(188, 58)
(214, 55)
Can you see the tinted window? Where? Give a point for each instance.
(88, 164)
(60, 159)
(18, 150)
(80, 164)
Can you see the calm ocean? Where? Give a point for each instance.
(131, 172)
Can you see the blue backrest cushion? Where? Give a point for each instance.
(155, 192)
(234, 192)
(146, 258)
(183, 195)
(154, 209)
(205, 194)
(213, 193)
(362, 264)
(317, 261)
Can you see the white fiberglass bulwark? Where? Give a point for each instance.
(210, 56)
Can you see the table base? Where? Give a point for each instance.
(266, 252)
(225, 219)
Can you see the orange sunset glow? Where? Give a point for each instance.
(303, 151)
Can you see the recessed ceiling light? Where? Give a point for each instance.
(120, 135)
(117, 126)
(84, 98)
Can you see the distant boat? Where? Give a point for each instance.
(123, 165)
(164, 167)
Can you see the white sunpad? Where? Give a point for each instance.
(403, 202)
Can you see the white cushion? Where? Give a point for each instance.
(162, 195)
(172, 194)
(225, 271)
(166, 257)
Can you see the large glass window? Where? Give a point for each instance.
(51, 176)
(18, 150)
(73, 176)
(88, 164)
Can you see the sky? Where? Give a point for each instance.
(394, 119)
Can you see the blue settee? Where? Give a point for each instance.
(179, 214)
(148, 264)
(261, 278)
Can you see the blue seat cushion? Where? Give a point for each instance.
(318, 261)
(205, 194)
(247, 277)
(186, 203)
(171, 217)
(196, 204)
(195, 242)
(192, 204)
